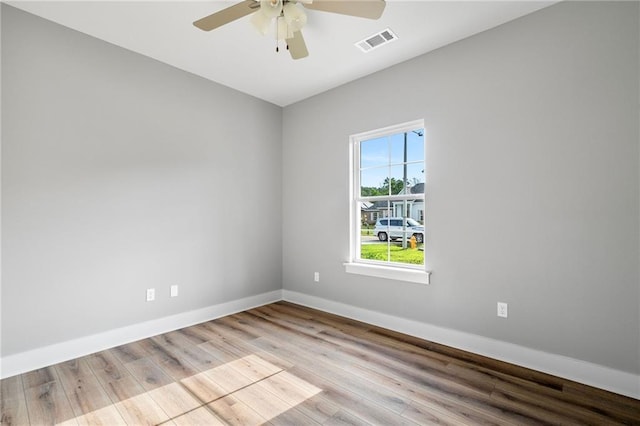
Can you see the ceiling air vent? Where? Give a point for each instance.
(376, 40)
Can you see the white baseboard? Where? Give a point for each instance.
(599, 376)
(59, 352)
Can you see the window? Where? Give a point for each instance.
(388, 176)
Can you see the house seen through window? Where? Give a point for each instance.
(389, 196)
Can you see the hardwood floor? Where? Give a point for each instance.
(284, 364)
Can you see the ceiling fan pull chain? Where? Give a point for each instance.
(277, 38)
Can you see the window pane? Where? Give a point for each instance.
(409, 255)
(372, 181)
(415, 178)
(374, 152)
(397, 148)
(415, 145)
(396, 180)
(381, 235)
(374, 233)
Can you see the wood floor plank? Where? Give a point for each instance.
(230, 350)
(229, 328)
(39, 377)
(541, 415)
(290, 388)
(318, 408)
(263, 402)
(542, 403)
(171, 396)
(106, 416)
(292, 322)
(168, 359)
(228, 378)
(199, 416)
(544, 392)
(467, 358)
(357, 405)
(107, 367)
(236, 413)
(292, 417)
(132, 402)
(48, 404)
(345, 418)
(196, 357)
(12, 387)
(129, 352)
(227, 346)
(141, 410)
(254, 368)
(88, 400)
(339, 373)
(233, 349)
(13, 405)
(83, 389)
(279, 398)
(448, 391)
(613, 404)
(425, 413)
(196, 334)
(203, 388)
(334, 393)
(335, 322)
(174, 399)
(148, 374)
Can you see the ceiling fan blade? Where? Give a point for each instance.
(371, 9)
(227, 15)
(297, 46)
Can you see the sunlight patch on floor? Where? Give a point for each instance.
(248, 390)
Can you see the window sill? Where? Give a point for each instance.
(400, 274)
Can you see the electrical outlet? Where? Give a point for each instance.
(174, 290)
(316, 276)
(502, 309)
(151, 294)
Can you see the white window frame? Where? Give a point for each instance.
(395, 271)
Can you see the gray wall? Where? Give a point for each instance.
(121, 173)
(532, 183)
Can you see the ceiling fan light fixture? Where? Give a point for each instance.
(271, 9)
(261, 22)
(283, 30)
(294, 16)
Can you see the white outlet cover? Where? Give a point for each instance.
(503, 310)
(316, 276)
(174, 290)
(151, 294)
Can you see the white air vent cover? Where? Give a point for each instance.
(376, 40)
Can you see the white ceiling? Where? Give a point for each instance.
(236, 55)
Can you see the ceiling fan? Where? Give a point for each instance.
(289, 18)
